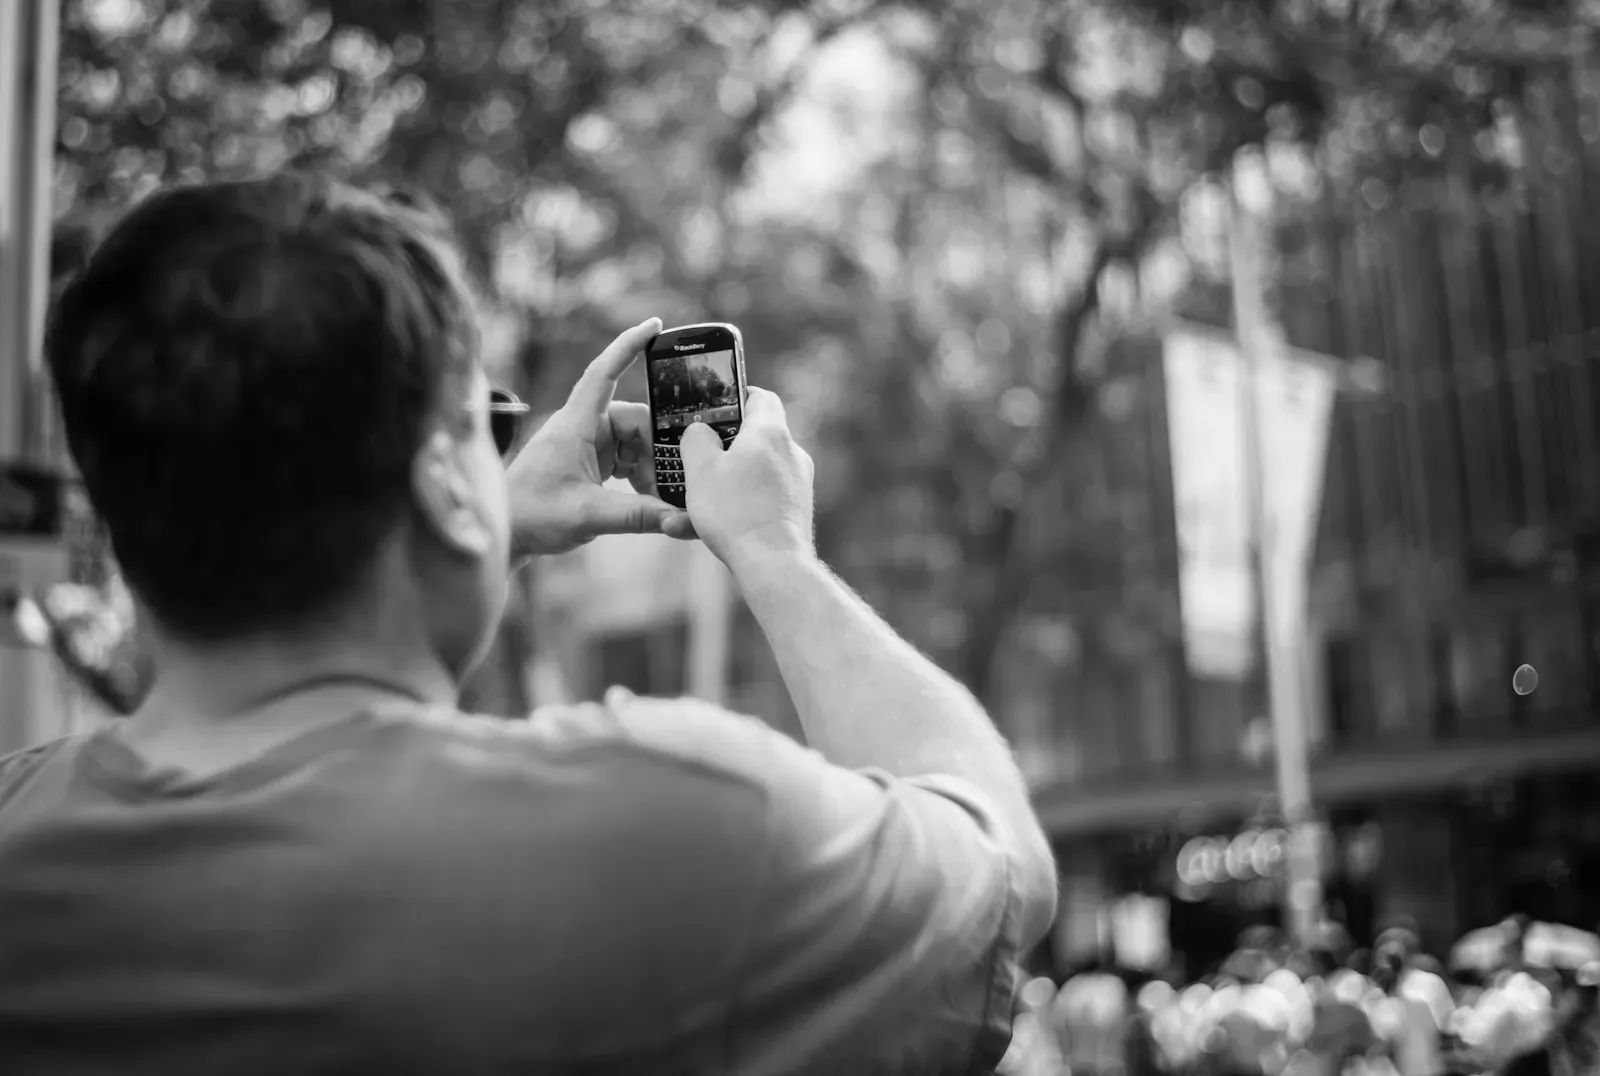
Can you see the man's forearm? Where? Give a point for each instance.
(866, 697)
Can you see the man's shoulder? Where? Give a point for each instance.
(27, 757)
(20, 768)
(657, 742)
(551, 727)
(705, 737)
(19, 765)
(590, 779)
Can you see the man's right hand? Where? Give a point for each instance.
(755, 497)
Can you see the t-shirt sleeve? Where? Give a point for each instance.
(885, 930)
(883, 927)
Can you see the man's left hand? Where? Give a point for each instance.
(557, 492)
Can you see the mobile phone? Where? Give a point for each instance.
(696, 375)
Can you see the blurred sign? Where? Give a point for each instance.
(1211, 860)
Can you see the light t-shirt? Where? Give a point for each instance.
(660, 887)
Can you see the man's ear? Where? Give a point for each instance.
(447, 500)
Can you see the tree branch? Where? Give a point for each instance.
(996, 601)
(737, 146)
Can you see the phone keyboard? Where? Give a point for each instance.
(669, 466)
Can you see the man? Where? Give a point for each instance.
(297, 857)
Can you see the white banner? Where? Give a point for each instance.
(1205, 426)
(1208, 433)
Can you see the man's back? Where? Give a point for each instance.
(660, 888)
(273, 392)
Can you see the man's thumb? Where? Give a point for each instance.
(615, 512)
(698, 443)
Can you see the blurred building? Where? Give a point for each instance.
(1457, 537)
(652, 615)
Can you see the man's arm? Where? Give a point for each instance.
(869, 699)
(878, 926)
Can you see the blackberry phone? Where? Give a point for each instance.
(696, 375)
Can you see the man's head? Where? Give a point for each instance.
(272, 391)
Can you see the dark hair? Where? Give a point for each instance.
(246, 371)
(70, 244)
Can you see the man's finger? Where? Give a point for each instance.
(594, 389)
(629, 421)
(697, 446)
(642, 477)
(763, 408)
(614, 512)
(635, 464)
(630, 432)
(678, 525)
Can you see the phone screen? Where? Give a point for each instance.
(696, 375)
(693, 386)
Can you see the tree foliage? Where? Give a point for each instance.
(931, 241)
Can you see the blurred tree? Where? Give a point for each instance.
(930, 260)
(1042, 182)
(1037, 212)
(571, 141)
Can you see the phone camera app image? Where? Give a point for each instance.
(694, 387)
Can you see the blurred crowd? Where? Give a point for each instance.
(1516, 999)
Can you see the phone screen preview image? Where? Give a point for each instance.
(696, 387)
(694, 376)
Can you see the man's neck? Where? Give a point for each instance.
(215, 705)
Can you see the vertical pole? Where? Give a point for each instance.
(1281, 643)
(28, 48)
(711, 593)
(710, 623)
(32, 708)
